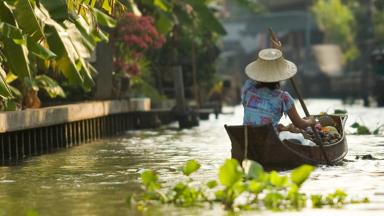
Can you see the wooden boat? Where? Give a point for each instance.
(265, 147)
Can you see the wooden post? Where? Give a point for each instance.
(194, 74)
(179, 88)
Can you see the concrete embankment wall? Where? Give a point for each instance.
(38, 131)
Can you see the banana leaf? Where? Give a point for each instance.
(27, 20)
(40, 51)
(77, 40)
(15, 49)
(6, 14)
(107, 6)
(17, 57)
(58, 9)
(65, 54)
(208, 20)
(87, 71)
(164, 23)
(90, 40)
(5, 92)
(50, 86)
(12, 32)
(103, 19)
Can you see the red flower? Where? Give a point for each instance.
(135, 37)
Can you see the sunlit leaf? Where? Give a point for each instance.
(103, 19)
(27, 20)
(60, 44)
(212, 184)
(10, 77)
(278, 180)
(252, 169)
(161, 4)
(77, 41)
(230, 172)
(190, 167)
(12, 32)
(150, 180)
(5, 92)
(40, 51)
(273, 201)
(255, 187)
(107, 6)
(301, 174)
(50, 86)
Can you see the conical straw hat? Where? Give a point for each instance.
(270, 67)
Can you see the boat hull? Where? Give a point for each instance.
(265, 147)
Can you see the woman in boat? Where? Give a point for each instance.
(263, 100)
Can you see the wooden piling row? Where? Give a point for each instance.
(18, 145)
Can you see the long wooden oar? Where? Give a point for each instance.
(317, 136)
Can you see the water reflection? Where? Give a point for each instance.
(95, 179)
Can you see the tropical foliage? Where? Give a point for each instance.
(192, 33)
(357, 24)
(42, 42)
(337, 29)
(47, 45)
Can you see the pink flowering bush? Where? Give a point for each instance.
(136, 36)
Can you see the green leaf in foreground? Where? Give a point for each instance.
(278, 180)
(150, 180)
(212, 184)
(301, 174)
(190, 167)
(252, 169)
(230, 173)
(271, 190)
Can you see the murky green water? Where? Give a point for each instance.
(96, 178)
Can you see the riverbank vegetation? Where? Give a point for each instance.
(50, 45)
(47, 45)
(249, 187)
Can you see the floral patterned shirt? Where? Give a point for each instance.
(264, 106)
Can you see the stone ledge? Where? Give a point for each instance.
(34, 118)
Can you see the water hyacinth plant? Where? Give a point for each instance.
(246, 187)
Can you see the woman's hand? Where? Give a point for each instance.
(276, 44)
(298, 121)
(311, 120)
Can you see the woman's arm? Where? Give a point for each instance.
(298, 121)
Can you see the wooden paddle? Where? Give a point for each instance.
(276, 42)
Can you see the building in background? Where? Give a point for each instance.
(321, 69)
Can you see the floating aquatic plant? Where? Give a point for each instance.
(238, 188)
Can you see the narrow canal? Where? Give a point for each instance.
(96, 178)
